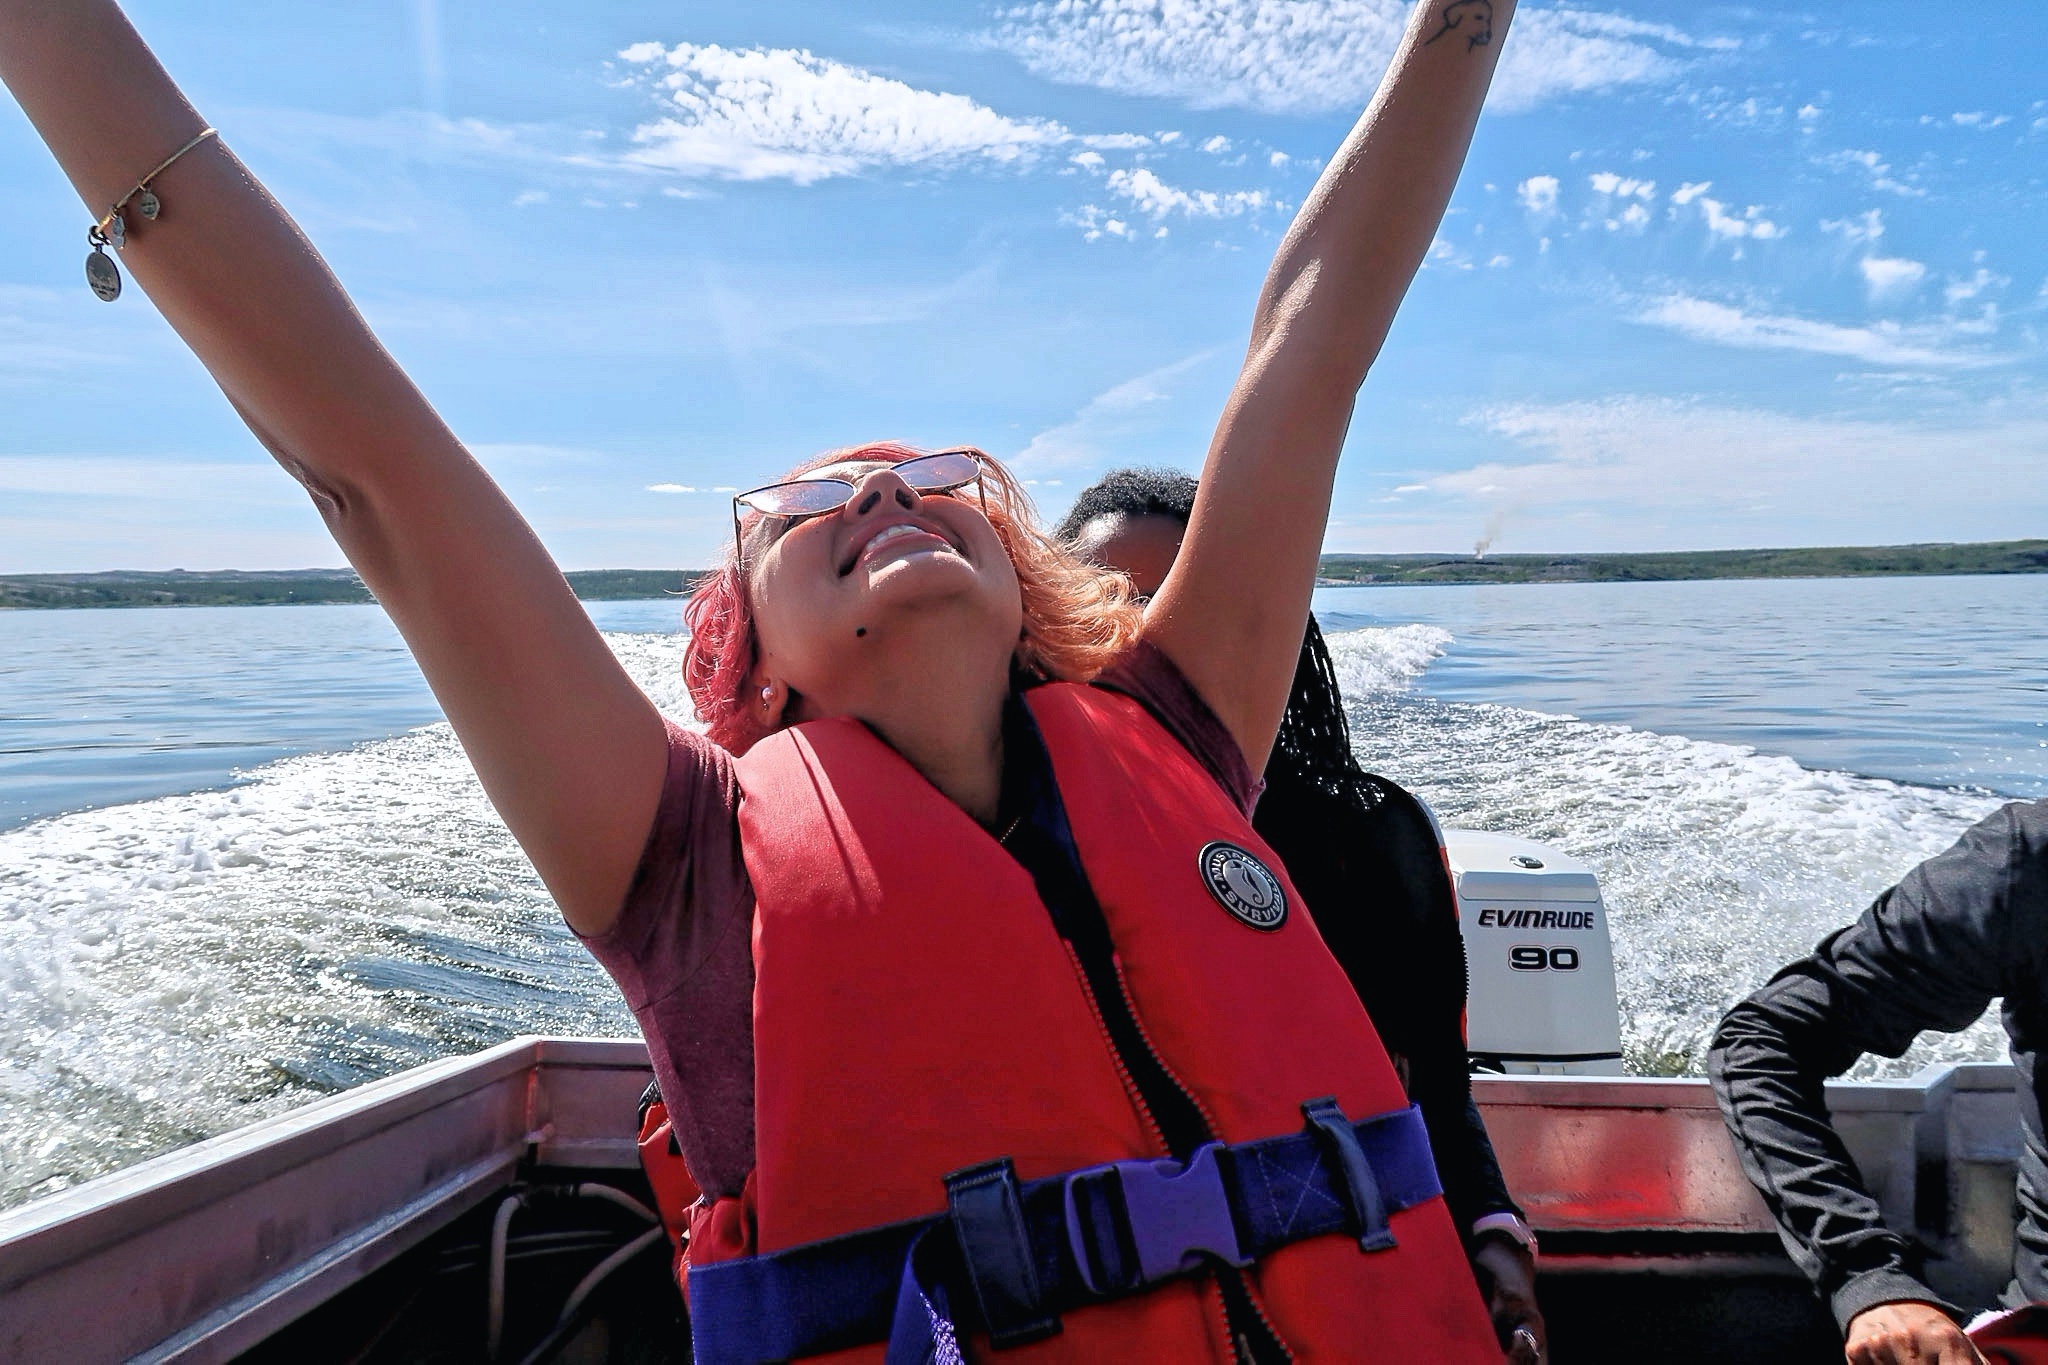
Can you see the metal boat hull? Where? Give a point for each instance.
(1654, 1245)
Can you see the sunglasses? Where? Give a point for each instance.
(943, 471)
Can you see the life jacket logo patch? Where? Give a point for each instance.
(1243, 885)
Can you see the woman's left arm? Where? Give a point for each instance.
(1230, 614)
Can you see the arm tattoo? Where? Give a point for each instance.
(1472, 18)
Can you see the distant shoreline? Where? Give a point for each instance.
(282, 587)
(1921, 561)
(225, 588)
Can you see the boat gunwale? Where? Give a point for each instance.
(50, 1232)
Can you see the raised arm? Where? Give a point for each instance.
(1230, 614)
(569, 750)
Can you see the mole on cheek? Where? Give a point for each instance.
(860, 632)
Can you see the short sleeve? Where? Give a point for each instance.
(682, 954)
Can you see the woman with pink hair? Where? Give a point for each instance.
(977, 1004)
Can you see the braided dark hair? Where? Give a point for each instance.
(1313, 748)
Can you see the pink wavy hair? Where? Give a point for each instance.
(1077, 617)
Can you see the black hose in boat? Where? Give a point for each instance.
(501, 1226)
(575, 1309)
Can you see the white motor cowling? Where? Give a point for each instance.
(1541, 968)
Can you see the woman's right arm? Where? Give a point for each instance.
(571, 753)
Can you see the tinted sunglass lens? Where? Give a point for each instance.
(803, 497)
(936, 473)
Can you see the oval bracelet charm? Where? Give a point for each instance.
(100, 271)
(148, 205)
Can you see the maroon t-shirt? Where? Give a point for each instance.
(682, 950)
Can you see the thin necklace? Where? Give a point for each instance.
(1015, 820)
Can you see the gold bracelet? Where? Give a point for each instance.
(112, 230)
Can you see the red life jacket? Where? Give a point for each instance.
(668, 1176)
(916, 1012)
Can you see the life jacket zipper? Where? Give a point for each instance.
(1042, 843)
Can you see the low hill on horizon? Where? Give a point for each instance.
(1848, 561)
(244, 587)
(280, 587)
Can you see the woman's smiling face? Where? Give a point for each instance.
(890, 569)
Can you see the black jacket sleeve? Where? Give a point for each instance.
(1930, 953)
(1375, 884)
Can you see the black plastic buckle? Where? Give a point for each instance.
(986, 1209)
(1355, 1179)
(1176, 1218)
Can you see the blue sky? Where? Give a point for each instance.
(1715, 276)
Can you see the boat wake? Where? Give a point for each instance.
(173, 968)
(1718, 864)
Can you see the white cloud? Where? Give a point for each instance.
(1538, 194)
(670, 488)
(1316, 56)
(154, 480)
(1149, 194)
(1891, 277)
(68, 513)
(1877, 168)
(1097, 222)
(782, 113)
(1883, 343)
(1866, 227)
(1980, 120)
(1217, 145)
(1114, 427)
(1690, 191)
(1091, 161)
(1962, 291)
(1277, 159)
(1622, 187)
(1750, 223)
(1676, 472)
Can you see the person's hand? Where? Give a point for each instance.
(1507, 1279)
(1908, 1334)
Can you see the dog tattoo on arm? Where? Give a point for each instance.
(1472, 18)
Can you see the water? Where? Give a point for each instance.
(101, 707)
(1937, 681)
(248, 866)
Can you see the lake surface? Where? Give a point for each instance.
(243, 864)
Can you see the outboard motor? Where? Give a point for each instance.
(1542, 999)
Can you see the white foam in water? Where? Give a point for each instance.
(178, 967)
(1717, 864)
